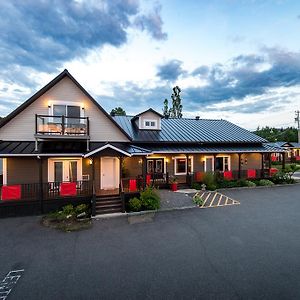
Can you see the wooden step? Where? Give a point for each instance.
(108, 211)
(108, 204)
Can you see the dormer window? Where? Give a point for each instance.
(150, 124)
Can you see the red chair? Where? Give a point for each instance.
(68, 189)
(297, 158)
(274, 158)
(199, 176)
(148, 179)
(132, 185)
(228, 175)
(251, 173)
(273, 171)
(11, 192)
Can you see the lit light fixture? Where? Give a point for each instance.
(140, 161)
(82, 107)
(167, 160)
(90, 161)
(49, 106)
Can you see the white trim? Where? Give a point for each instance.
(186, 164)
(161, 157)
(104, 147)
(44, 154)
(51, 162)
(213, 162)
(150, 126)
(4, 165)
(229, 160)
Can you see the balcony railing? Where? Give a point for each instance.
(61, 125)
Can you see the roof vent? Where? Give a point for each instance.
(197, 117)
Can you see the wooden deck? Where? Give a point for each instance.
(111, 192)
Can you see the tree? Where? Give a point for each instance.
(272, 134)
(176, 110)
(118, 111)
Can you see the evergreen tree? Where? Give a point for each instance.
(118, 111)
(176, 110)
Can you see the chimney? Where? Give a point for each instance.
(197, 117)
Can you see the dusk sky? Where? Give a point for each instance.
(233, 59)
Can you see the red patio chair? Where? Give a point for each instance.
(68, 189)
(274, 158)
(251, 173)
(297, 158)
(199, 176)
(132, 185)
(11, 192)
(228, 175)
(148, 179)
(272, 171)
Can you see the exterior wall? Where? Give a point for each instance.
(22, 127)
(149, 116)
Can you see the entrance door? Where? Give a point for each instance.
(110, 173)
(209, 164)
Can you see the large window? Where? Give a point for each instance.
(222, 163)
(60, 170)
(155, 165)
(181, 166)
(71, 111)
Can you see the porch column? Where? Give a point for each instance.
(215, 162)
(41, 192)
(240, 165)
(262, 165)
(144, 171)
(270, 161)
(283, 161)
(121, 163)
(93, 188)
(187, 179)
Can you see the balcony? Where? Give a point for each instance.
(61, 127)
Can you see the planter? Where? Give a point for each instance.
(174, 187)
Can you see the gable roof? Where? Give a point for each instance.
(148, 110)
(46, 88)
(189, 131)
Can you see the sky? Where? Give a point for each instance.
(237, 60)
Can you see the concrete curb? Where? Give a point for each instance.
(140, 213)
(257, 187)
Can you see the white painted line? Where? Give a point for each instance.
(221, 196)
(205, 200)
(9, 281)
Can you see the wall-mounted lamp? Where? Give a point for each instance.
(140, 161)
(82, 107)
(167, 160)
(90, 161)
(49, 106)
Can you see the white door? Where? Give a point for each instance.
(209, 164)
(110, 173)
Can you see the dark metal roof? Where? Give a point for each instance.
(148, 110)
(47, 87)
(262, 148)
(189, 131)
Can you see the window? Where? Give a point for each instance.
(60, 170)
(71, 111)
(181, 166)
(155, 165)
(222, 163)
(150, 124)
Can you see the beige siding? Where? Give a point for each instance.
(22, 127)
(149, 116)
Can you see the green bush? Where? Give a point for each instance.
(196, 186)
(246, 183)
(227, 183)
(68, 210)
(197, 199)
(150, 199)
(135, 204)
(209, 179)
(265, 182)
(211, 187)
(81, 208)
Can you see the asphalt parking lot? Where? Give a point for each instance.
(246, 251)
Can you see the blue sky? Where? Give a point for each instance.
(233, 59)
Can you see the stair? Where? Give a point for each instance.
(182, 186)
(108, 204)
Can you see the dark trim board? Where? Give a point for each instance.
(16, 208)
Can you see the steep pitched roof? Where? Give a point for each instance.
(189, 131)
(47, 87)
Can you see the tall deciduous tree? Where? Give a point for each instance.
(118, 111)
(176, 110)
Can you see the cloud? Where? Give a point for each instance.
(152, 23)
(170, 70)
(43, 35)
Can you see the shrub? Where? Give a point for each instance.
(247, 183)
(227, 183)
(196, 186)
(82, 208)
(197, 199)
(209, 179)
(211, 187)
(135, 204)
(150, 199)
(280, 177)
(265, 182)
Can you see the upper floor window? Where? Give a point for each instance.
(150, 123)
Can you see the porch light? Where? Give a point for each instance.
(140, 161)
(90, 161)
(167, 160)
